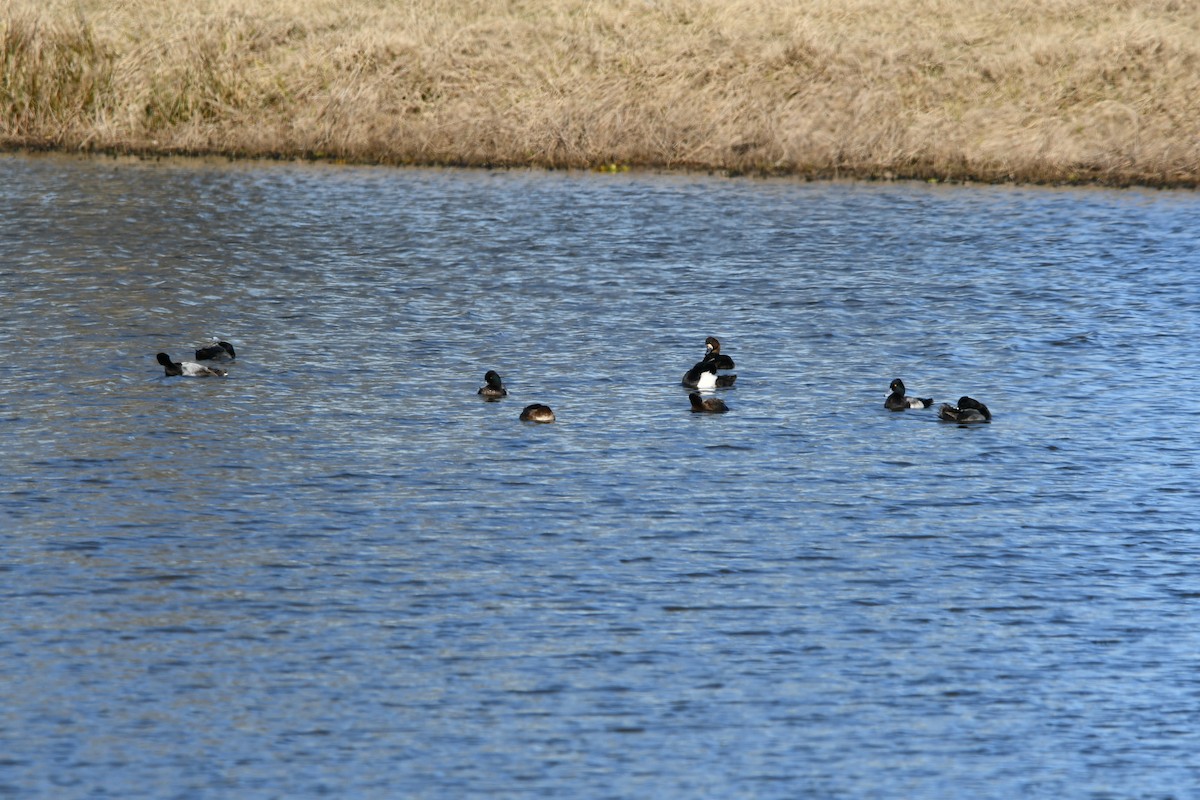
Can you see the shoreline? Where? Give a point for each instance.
(1067, 94)
(831, 176)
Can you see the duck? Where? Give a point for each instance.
(537, 413)
(221, 351)
(704, 374)
(494, 389)
(711, 405)
(967, 410)
(188, 369)
(897, 401)
(713, 347)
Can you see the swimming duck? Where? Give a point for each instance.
(711, 405)
(221, 351)
(704, 374)
(713, 347)
(537, 413)
(189, 369)
(897, 401)
(967, 410)
(494, 389)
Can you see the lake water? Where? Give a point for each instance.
(337, 572)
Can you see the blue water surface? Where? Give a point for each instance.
(338, 572)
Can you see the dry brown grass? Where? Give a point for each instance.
(1030, 90)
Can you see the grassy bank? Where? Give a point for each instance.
(1031, 90)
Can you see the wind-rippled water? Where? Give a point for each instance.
(338, 572)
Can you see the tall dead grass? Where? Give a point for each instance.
(1028, 90)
